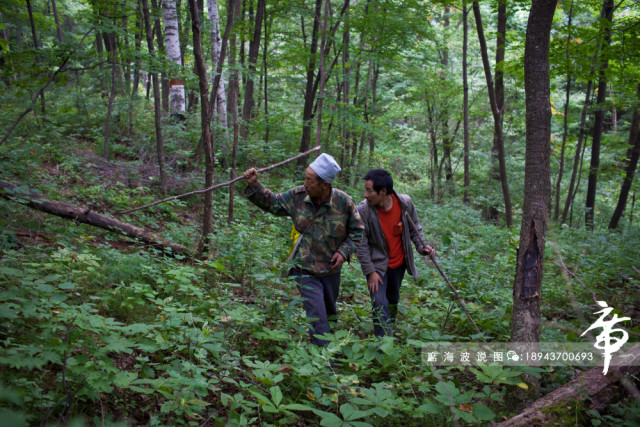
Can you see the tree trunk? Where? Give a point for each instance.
(112, 96)
(607, 15)
(266, 75)
(254, 50)
(322, 74)
(344, 101)
(309, 93)
(565, 127)
(205, 117)
(156, 100)
(496, 97)
(577, 158)
(136, 72)
(527, 289)
(39, 202)
(234, 90)
(172, 40)
(447, 138)
(465, 105)
(54, 9)
(219, 105)
(36, 46)
(157, 30)
(632, 163)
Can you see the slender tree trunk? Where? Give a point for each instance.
(205, 117)
(234, 90)
(343, 102)
(266, 75)
(577, 157)
(632, 163)
(136, 72)
(565, 127)
(465, 105)
(172, 40)
(322, 75)
(309, 93)
(112, 96)
(447, 138)
(36, 46)
(156, 100)
(55, 17)
(374, 105)
(162, 51)
(496, 97)
(254, 50)
(527, 289)
(607, 15)
(220, 104)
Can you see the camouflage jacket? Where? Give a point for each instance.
(335, 227)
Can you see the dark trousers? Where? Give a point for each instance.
(320, 295)
(385, 301)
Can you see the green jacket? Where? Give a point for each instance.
(335, 227)
(373, 252)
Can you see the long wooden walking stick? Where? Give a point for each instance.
(433, 259)
(204, 190)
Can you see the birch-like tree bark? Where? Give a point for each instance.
(172, 43)
(220, 104)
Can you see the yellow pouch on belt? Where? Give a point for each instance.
(294, 239)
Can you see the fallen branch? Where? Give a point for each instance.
(37, 201)
(433, 259)
(204, 190)
(585, 387)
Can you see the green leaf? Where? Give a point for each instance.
(430, 408)
(8, 311)
(465, 415)
(66, 286)
(482, 412)
(198, 402)
(276, 395)
(297, 407)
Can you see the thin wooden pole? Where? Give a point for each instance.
(204, 190)
(433, 259)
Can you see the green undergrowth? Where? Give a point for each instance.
(100, 330)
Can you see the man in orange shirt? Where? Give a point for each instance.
(385, 252)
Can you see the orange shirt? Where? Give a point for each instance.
(391, 223)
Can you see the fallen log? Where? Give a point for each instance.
(39, 202)
(589, 386)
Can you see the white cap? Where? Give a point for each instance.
(326, 167)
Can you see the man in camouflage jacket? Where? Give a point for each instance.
(330, 231)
